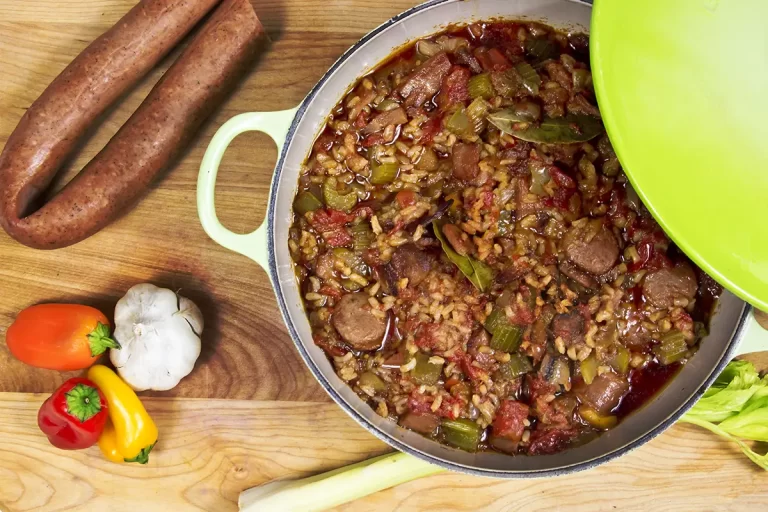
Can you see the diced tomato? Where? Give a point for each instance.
(372, 140)
(455, 87)
(405, 198)
(330, 291)
(452, 381)
(551, 440)
(420, 403)
(424, 336)
(338, 237)
(328, 217)
(331, 346)
(429, 129)
(473, 372)
(488, 198)
(509, 420)
(324, 142)
(561, 179)
(650, 257)
(330, 224)
(538, 387)
(492, 59)
(361, 120)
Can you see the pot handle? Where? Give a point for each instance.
(253, 245)
(754, 338)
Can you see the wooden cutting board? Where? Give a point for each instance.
(278, 422)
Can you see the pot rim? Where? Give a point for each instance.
(728, 353)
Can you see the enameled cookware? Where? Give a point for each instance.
(733, 328)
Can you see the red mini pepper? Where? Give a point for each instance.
(73, 417)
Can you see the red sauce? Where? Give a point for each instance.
(644, 384)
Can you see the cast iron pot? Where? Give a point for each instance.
(733, 330)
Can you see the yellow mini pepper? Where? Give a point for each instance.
(130, 434)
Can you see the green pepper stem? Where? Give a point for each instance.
(100, 341)
(83, 402)
(143, 456)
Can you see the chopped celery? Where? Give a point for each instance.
(477, 112)
(620, 361)
(506, 223)
(517, 365)
(506, 337)
(362, 236)
(589, 368)
(306, 202)
(335, 199)
(531, 79)
(462, 433)
(372, 381)
(424, 372)
(541, 49)
(672, 347)
(350, 285)
(496, 318)
(460, 124)
(581, 79)
(428, 160)
(387, 105)
(382, 174)
(597, 420)
(539, 177)
(480, 86)
(351, 259)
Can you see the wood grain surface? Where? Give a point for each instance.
(283, 426)
(247, 353)
(210, 450)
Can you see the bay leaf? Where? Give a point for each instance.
(479, 273)
(557, 130)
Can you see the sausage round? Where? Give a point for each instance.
(661, 287)
(354, 321)
(411, 262)
(149, 140)
(597, 255)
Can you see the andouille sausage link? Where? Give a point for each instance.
(95, 79)
(148, 141)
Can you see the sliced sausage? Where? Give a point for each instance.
(661, 287)
(465, 158)
(423, 423)
(354, 321)
(605, 392)
(570, 270)
(597, 255)
(569, 327)
(425, 81)
(381, 121)
(150, 140)
(411, 262)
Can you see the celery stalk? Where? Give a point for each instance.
(334, 488)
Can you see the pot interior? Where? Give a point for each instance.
(365, 55)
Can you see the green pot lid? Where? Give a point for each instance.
(682, 88)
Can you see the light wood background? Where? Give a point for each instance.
(277, 422)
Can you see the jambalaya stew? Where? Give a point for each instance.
(473, 260)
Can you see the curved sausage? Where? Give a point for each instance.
(354, 321)
(149, 140)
